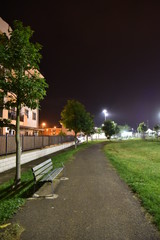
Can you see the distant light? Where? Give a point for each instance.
(105, 114)
(43, 124)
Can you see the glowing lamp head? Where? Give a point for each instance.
(105, 113)
(43, 124)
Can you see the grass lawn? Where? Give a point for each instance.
(11, 200)
(138, 163)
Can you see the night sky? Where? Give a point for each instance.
(105, 54)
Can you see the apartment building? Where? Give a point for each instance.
(29, 119)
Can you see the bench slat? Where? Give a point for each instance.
(42, 174)
(42, 169)
(52, 175)
(41, 164)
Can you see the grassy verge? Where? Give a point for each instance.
(12, 200)
(138, 163)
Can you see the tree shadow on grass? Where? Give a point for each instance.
(25, 190)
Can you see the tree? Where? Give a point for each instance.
(117, 129)
(6, 123)
(20, 79)
(142, 128)
(72, 116)
(88, 126)
(109, 128)
(156, 128)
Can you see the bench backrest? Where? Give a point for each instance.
(41, 169)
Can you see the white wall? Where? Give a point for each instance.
(99, 136)
(4, 26)
(7, 163)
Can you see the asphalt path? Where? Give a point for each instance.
(93, 204)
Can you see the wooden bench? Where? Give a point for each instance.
(44, 172)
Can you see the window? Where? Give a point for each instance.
(21, 118)
(1, 107)
(1, 111)
(33, 116)
(27, 113)
(12, 114)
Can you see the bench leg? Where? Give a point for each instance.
(34, 189)
(34, 195)
(52, 187)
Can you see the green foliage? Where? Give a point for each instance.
(138, 164)
(117, 129)
(142, 128)
(156, 128)
(88, 125)
(109, 128)
(6, 123)
(20, 58)
(13, 198)
(19, 77)
(72, 116)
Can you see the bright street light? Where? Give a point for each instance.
(105, 114)
(43, 124)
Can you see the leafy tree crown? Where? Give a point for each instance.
(19, 75)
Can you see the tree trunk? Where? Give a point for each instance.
(18, 148)
(75, 139)
(87, 138)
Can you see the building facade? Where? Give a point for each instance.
(29, 119)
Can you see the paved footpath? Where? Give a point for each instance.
(94, 204)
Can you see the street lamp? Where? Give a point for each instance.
(43, 124)
(105, 114)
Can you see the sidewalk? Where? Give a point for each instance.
(93, 204)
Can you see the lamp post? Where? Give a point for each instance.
(105, 114)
